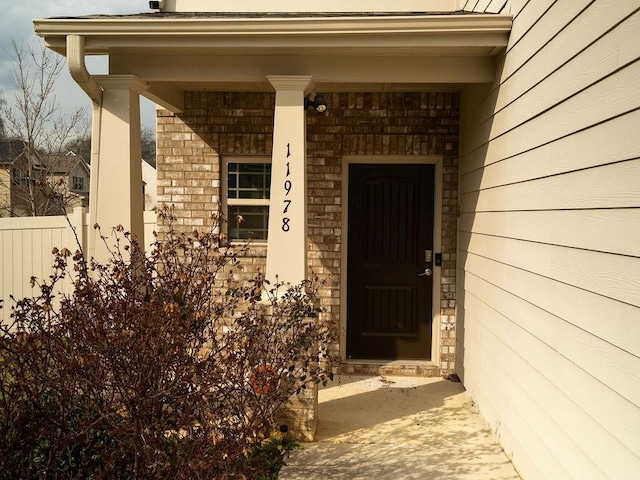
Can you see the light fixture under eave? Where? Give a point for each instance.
(318, 103)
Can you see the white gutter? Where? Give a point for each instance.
(212, 26)
(78, 68)
(79, 72)
(108, 34)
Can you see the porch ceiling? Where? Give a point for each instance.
(366, 52)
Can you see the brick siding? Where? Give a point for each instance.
(226, 123)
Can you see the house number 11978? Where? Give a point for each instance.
(287, 189)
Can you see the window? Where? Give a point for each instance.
(21, 177)
(246, 185)
(77, 184)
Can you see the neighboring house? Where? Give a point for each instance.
(5, 189)
(9, 151)
(471, 192)
(72, 173)
(23, 191)
(44, 184)
(68, 173)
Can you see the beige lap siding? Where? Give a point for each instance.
(224, 123)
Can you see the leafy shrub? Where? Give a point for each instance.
(155, 367)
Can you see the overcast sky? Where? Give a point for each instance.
(16, 21)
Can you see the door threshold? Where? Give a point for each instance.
(407, 368)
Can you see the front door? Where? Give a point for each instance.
(390, 237)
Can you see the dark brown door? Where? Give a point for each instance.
(389, 307)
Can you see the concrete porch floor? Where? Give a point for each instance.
(378, 428)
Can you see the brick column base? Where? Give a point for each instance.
(300, 414)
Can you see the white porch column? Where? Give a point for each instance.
(115, 196)
(287, 242)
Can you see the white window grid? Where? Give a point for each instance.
(230, 204)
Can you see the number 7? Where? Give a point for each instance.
(288, 202)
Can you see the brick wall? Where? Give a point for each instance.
(214, 124)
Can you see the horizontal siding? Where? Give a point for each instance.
(611, 366)
(572, 61)
(585, 310)
(572, 418)
(612, 276)
(496, 404)
(537, 94)
(603, 230)
(482, 5)
(485, 6)
(549, 242)
(525, 16)
(579, 151)
(615, 95)
(608, 186)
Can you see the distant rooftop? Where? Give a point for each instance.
(62, 163)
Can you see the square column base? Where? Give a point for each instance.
(300, 414)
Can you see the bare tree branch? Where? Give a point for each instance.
(35, 117)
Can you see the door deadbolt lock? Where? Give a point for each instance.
(427, 273)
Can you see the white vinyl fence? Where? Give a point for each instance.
(26, 244)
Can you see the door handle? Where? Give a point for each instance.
(427, 273)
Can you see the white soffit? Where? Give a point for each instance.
(174, 52)
(178, 33)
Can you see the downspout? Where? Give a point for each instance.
(79, 72)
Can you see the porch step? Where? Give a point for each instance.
(405, 368)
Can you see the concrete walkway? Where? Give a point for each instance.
(379, 428)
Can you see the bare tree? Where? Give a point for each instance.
(82, 146)
(148, 143)
(2, 101)
(34, 116)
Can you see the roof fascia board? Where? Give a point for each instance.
(181, 27)
(436, 44)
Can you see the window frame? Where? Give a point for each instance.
(73, 183)
(22, 178)
(227, 202)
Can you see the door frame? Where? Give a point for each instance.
(435, 160)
